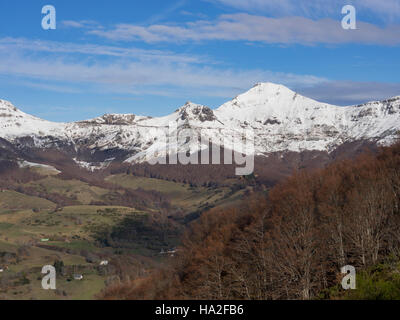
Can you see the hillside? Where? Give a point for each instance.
(76, 194)
(47, 217)
(291, 242)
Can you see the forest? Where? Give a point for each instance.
(290, 241)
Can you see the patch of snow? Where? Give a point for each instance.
(27, 164)
(92, 166)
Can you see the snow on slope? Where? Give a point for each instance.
(284, 120)
(15, 123)
(281, 119)
(27, 164)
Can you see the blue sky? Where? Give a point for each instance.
(150, 57)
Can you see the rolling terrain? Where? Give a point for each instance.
(74, 195)
(50, 219)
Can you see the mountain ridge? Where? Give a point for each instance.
(281, 119)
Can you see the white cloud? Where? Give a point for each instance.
(246, 27)
(388, 10)
(22, 44)
(68, 67)
(142, 77)
(185, 81)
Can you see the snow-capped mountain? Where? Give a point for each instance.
(281, 120)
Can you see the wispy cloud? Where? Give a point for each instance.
(45, 86)
(80, 24)
(128, 71)
(388, 10)
(247, 27)
(66, 68)
(55, 47)
(162, 15)
(139, 77)
(351, 92)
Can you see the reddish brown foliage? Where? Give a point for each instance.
(291, 244)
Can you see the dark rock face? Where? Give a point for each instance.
(271, 122)
(112, 119)
(184, 115)
(206, 114)
(201, 113)
(7, 150)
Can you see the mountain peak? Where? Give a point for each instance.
(190, 105)
(264, 96)
(269, 89)
(6, 106)
(192, 111)
(265, 93)
(112, 119)
(269, 85)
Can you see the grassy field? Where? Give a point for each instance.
(182, 195)
(12, 201)
(35, 232)
(27, 278)
(45, 171)
(68, 234)
(66, 223)
(83, 192)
